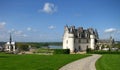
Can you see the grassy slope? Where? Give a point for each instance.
(109, 62)
(35, 62)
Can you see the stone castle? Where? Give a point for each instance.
(79, 39)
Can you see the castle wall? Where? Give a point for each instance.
(84, 46)
(71, 43)
(76, 45)
(92, 42)
(68, 42)
(79, 39)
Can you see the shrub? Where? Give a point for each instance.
(23, 47)
(61, 51)
(88, 50)
(104, 52)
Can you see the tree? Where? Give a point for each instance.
(22, 47)
(117, 45)
(102, 46)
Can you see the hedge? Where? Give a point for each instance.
(103, 52)
(61, 51)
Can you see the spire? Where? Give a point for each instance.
(10, 38)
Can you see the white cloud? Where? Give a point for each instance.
(51, 27)
(49, 8)
(18, 32)
(24, 35)
(110, 30)
(11, 31)
(29, 28)
(2, 24)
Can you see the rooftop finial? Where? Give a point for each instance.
(10, 38)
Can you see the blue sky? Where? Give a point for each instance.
(44, 20)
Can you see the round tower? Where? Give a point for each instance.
(92, 42)
(65, 37)
(68, 38)
(71, 42)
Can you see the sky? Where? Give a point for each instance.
(44, 20)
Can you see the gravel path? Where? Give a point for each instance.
(87, 63)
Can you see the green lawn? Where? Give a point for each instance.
(109, 62)
(35, 62)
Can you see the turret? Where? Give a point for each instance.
(68, 38)
(71, 42)
(65, 37)
(92, 42)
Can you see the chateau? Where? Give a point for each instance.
(79, 39)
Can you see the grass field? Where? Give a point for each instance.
(35, 62)
(109, 62)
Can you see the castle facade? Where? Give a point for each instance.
(79, 39)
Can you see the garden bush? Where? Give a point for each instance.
(88, 50)
(103, 52)
(61, 51)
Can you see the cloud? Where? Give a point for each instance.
(29, 29)
(24, 35)
(2, 24)
(110, 30)
(51, 27)
(11, 31)
(49, 8)
(18, 32)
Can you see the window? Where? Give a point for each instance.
(86, 35)
(66, 41)
(80, 35)
(79, 41)
(79, 48)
